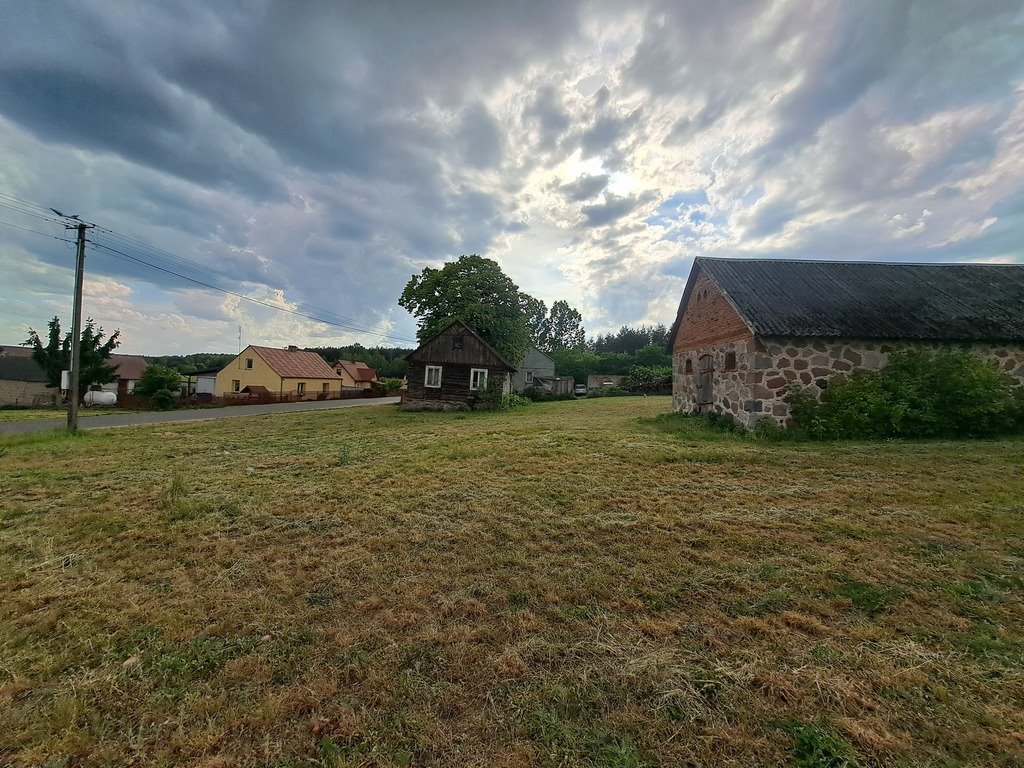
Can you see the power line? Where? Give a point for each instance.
(244, 297)
(35, 232)
(235, 286)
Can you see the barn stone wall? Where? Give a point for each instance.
(766, 368)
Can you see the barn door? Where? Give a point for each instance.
(705, 382)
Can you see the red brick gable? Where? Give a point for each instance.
(708, 318)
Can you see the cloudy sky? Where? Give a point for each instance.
(314, 155)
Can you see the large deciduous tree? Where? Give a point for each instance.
(563, 329)
(55, 355)
(474, 290)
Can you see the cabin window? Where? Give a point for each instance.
(689, 366)
(529, 377)
(248, 363)
(478, 378)
(456, 342)
(730, 361)
(236, 385)
(301, 388)
(432, 377)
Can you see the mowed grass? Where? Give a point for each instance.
(571, 584)
(9, 416)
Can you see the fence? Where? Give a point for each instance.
(137, 402)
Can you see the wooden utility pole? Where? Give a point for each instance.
(76, 330)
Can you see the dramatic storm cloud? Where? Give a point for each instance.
(312, 156)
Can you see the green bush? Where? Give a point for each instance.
(920, 393)
(156, 378)
(162, 399)
(648, 378)
(391, 385)
(611, 391)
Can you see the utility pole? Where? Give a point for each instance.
(76, 329)
(76, 321)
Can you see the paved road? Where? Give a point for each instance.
(164, 417)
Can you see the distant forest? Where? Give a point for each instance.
(608, 353)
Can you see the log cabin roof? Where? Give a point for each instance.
(482, 353)
(869, 300)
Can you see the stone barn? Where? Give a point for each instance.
(748, 329)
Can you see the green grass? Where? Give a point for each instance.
(38, 414)
(570, 584)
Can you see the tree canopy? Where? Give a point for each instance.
(476, 291)
(55, 355)
(157, 377)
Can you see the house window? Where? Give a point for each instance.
(478, 378)
(301, 387)
(529, 377)
(432, 377)
(456, 342)
(236, 385)
(325, 388)
(730, 361)
(248, 363)
(689, 366)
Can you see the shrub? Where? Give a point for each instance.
(155, 378)
(611, 391)
(391, 385)
(162, 400)
(648, 378)
(920, 393)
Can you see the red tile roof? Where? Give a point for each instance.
(129, 366)
(295, 363)
(359, 371)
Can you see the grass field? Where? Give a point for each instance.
(577, 583)
(36, 414)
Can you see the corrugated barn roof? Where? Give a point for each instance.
(868, 300)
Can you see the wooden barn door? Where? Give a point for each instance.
(705, 382)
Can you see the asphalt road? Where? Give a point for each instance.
(165, 417)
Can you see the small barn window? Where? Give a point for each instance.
(248, 363)
(456, 342)
(478, 378)
(432, 377)
(529, 377)
(689, 365)
(730, 361)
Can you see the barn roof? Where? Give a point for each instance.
(870, 300)
(16, 364)
(128, 366)
(295, 363)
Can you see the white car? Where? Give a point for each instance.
(580, 390)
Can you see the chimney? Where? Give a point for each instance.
(292, 348)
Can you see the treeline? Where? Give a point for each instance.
(186, 364)
(629, 340)
(389, 361)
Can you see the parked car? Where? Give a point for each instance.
(580, 390)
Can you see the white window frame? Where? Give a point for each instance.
(474, 383)
(300, 388)
(236, 385)
(529, 377)
(426, 376)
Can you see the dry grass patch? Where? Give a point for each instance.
(570, 584)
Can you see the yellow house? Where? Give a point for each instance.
(268, 370)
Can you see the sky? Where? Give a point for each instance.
(312, 156)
